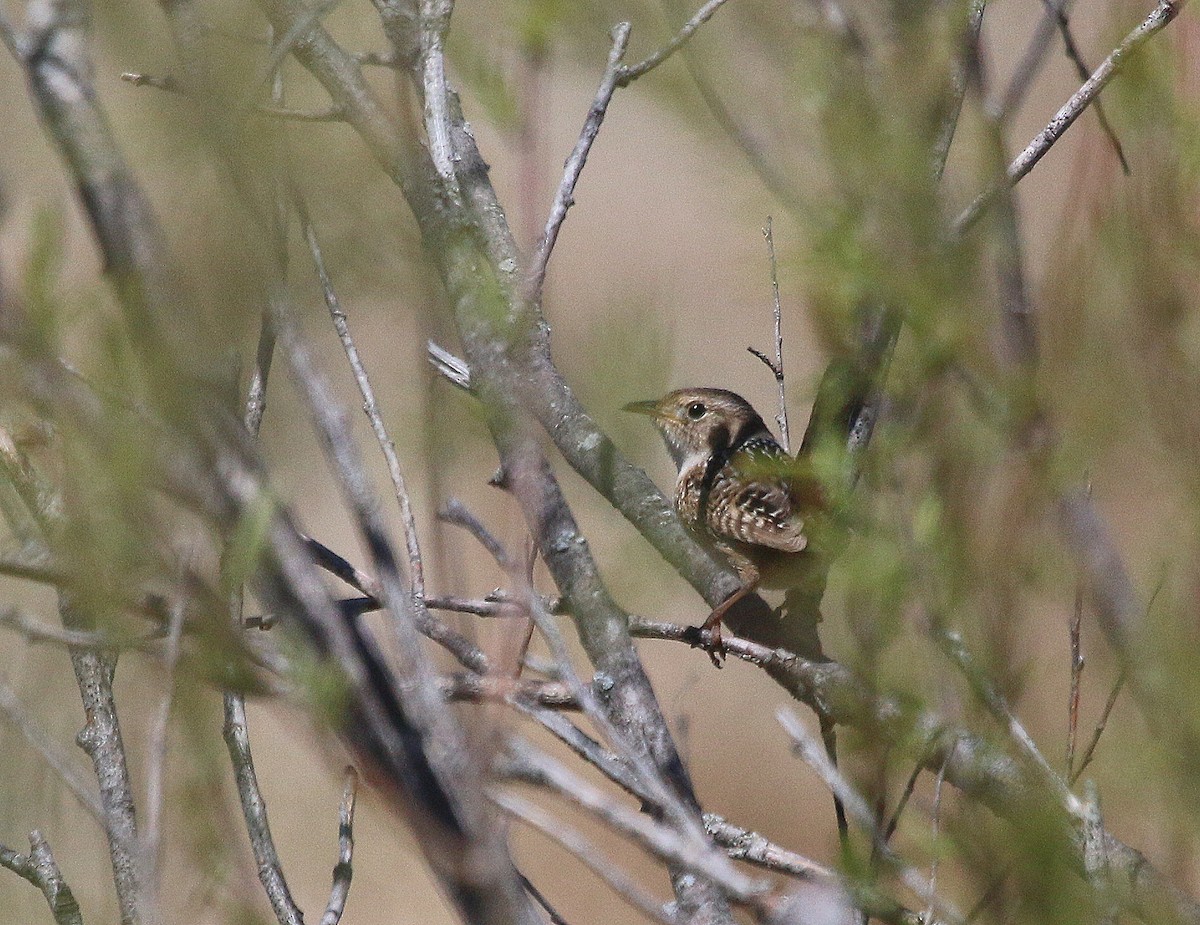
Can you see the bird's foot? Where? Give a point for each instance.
(708, 638)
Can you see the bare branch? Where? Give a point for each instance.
(698, 855)
(156, 759)
(743, 845)
(1159, 17)
(975, 767)
(343, 871)
(1101, 725)
(630, 73)
(564, 197)
(465, 651)
(1075, 630)
(169, 84)
(553, 827)
(101, 739)
(479, 860)
(254, 810)
(498, 689)
(40, 869)
(813, 753)
(16, 713)
(958, 89)
(776, 365)
(235, 730)
(1057, 8)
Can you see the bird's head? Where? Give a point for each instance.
(695, 422)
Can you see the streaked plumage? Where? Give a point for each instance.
(737, 488)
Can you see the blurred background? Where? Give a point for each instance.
(661, 279)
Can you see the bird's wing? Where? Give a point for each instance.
(747, 504)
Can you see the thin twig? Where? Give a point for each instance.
(936, 824)
(341, 567)
(493, 688)
(156, 757)
(35, 631)
(1159, 17)
(254, 810)
(168, 83)
(669, 844)
(343, 871)
(744, 845)
(1101, 725)
(905, 795)
(1028, 66)
(958, 89)
(776, 365)
(952, 645)
(630, 73)
(379, 59)
(1077, 663)
(328, 114)
(101, 739)
(582, 848)
(56, 759)
(370, 408)
(305, 22)
(814, 755)
(540, 898)
(235, 730)
(661, 795)
(1058, 9)
(563, 198)
(442, 786)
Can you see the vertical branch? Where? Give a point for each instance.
(156, 761)
(343, 872)
(936, 823)
(1076, 633)
(435, 19)
(235, 730)
(776, 365)
(101, 739)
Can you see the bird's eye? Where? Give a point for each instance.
(696, 410)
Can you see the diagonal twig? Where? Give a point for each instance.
(1155, 21)
(629, 73)
(563, 197)
(814, 755)
(1057, 9)
(14, 711)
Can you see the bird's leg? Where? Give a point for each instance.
(716, 646)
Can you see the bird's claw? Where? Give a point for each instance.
(709, 639)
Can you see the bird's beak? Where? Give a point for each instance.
(643, 407)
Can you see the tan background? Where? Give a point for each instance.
(663, 248)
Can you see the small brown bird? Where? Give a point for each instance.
(738, 490)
